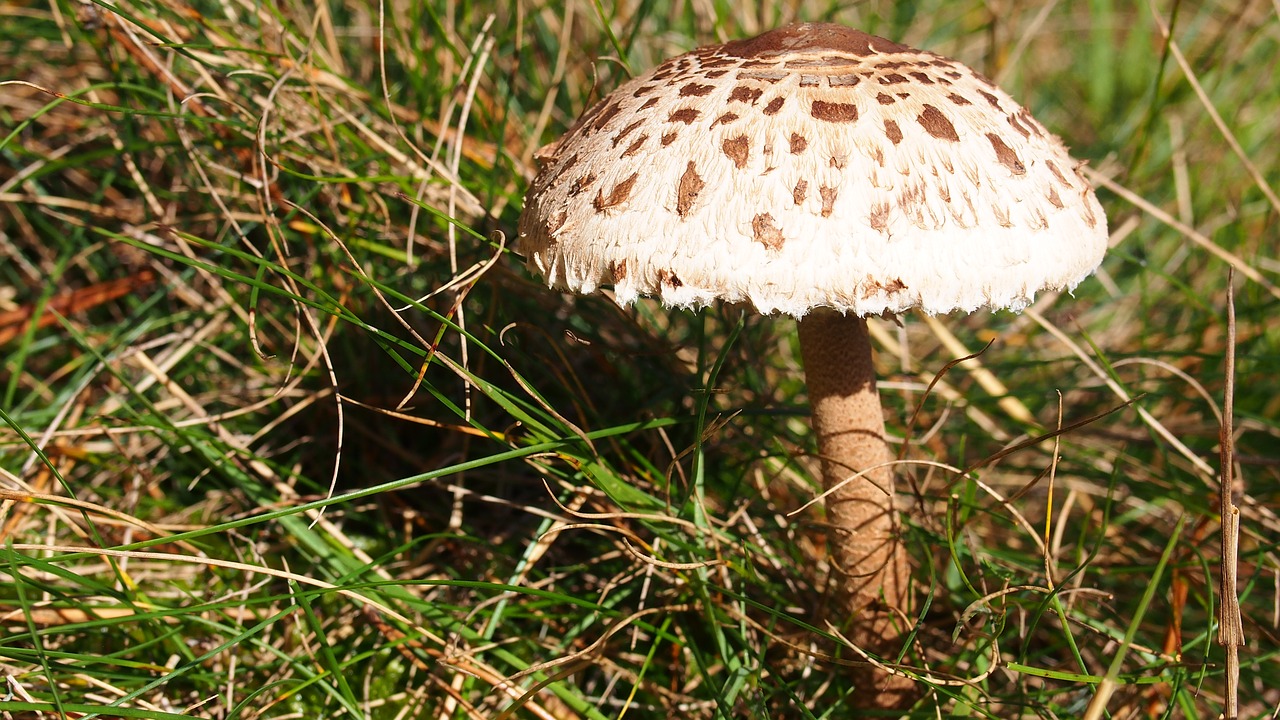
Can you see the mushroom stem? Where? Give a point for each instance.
(866, 555)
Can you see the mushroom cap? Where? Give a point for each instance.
(812, 166)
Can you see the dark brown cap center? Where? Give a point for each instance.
(812, 38)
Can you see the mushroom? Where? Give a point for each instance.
(827, 174)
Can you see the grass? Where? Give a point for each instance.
(294, 434)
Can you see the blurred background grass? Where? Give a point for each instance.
(286, 429)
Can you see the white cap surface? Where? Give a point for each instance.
(812, 166)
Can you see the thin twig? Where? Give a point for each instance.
(1230, 627)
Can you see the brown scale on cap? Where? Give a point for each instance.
(828, 199)
(873, 286)
(737, 149)
(834, 112)
(690, 185)
(766, 232)
(892, 131)
(1025, 116)
(1006, 155)
(1017, 125)
(725, 119)
(618, 270)
(573, 160)
(935, 122)
(1054, 199)
(1089, 217)
(684, 115)
(617, 195)
(669, 278)
(696, 90)
(581, 184)
(610, 112)
(635, 146)
(626, 131)
(1057, 174)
